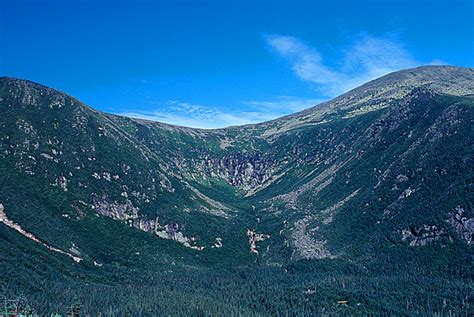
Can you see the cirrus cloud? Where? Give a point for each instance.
(209, 117)
(199, 116)
(366, 58)
(363, 59)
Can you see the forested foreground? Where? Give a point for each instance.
(298, 291)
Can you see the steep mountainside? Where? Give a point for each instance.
(377, 180)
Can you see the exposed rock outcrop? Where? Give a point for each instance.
(463, 225)
(243, 170)
(423, 235)
(4, 219)
(255, 237)
(171, 232)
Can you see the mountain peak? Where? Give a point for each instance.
(379, 94)
(444, 78)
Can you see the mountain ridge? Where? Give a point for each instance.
(383, 171)
(430, 70)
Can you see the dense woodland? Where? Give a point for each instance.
(393, 287)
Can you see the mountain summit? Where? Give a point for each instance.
(346, 201)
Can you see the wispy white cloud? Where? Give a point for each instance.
(209, 117)
(198, 116)
(305, 61)
(366, 58)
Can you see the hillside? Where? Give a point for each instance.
(351, 199)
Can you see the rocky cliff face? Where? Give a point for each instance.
(245, 171)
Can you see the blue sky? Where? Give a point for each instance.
(218, 63)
